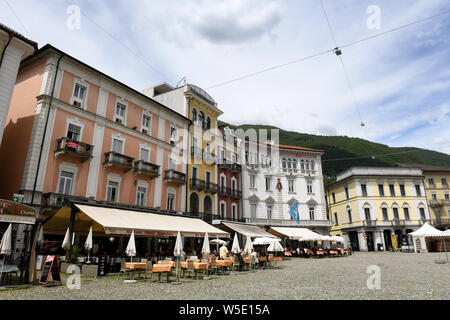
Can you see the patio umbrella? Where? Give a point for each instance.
(275, 246)
(41, 236)
(88, 243)
(217, 242)
(177, 253)
(66, 241)
(206, 250)
(131, 247)
(5, 246)
(235, 247)
(248, 245)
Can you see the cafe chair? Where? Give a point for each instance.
(149, 269)
(213, 266)
(123, 267)
(236, 263)
(190, 267)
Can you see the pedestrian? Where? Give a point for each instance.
(223, 251)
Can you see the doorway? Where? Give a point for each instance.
(370, 241)
(354, 240)
(387, 239)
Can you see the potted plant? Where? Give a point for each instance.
(71, 258)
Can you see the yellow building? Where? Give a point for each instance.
(437, 188)
(370, 205)
(196, 104)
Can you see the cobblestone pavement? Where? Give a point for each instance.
(403, 276)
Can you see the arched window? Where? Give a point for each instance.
(207, 205)
(349, 212)
(208, 123)
(312, 165)
(302, 165)
(284, 163)
(294, 164)
(194, 115)
(307, 165)
(289, 164)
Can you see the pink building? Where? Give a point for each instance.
(103, 140)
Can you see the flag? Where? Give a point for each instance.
(294, 212)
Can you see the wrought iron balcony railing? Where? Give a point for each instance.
(174, 176)
(197, 184)
(74, 148)
(117, 160)
(146, 168)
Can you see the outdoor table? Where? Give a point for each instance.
(248, 261)
(133, 266)
(224, 264)
(172, 263)
(262, 260)
(197, 266)
(162, 268)
(275, 260)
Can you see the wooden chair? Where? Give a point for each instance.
(213, 265)
(190, 268)
(143, 260)
(236, 264)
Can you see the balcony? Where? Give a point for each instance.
(58, 200)
(117, 160)
(145, 168)
(232, 167)
(441, 222)
(211, 187)
(174, 176)
(435, 203)
(236, 194)
(225, 192)
(197, 184)
(74, 148)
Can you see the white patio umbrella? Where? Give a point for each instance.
(41, 236)
(66, 241)
(88, 243)
(248, 245)
(206, 250)
(264, 241)
(218, 242)
(275, 246)
(131, 252)
(235, 247)
(177, 253)
(5, 246)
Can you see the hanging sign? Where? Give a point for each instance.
(14, 212)
(50, 267)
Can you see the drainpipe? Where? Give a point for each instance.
(45, 129)
(4, 49)
(187, 163)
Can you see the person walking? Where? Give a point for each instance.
(223, 251)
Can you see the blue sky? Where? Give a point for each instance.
(401, 80)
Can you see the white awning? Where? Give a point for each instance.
(301, 234)
(248, 230)
(112, 221)
(264, 241)
(426, 231)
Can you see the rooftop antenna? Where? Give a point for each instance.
(182, 79)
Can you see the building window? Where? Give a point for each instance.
(269, 211)
(422, 213)
(194, 115)
(208, 123)
(447, 197)
(119, 117)
(141, 196)
(302, 165)
(173, 135)
(79, 95)
(434, 196)
(347, 195)
(367, 213)
(406, 213)
(117, 146)
(145, 155)
(74, 132)
(336, 218)
(170, 201)
(364, 190)
(252, 181)
(431, 182)
(113, 191)
(392, 190)
(381, 190)
(385, 214)
(402, 190)
(311, 214)
(334, 197)
(291, 185)
(312, 166)
(234, 211)
(283, 163)
(253, 210)
(395, 211)
(172, 164)
(222, 209)
(289, 164)
(65, 182)
(268, 183)
(419, 193)
(349, 213)
(146, 124)
(294, 163)
(233, 185)
(444, 183)
(307, 165)
(309, 187)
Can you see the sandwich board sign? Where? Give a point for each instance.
(50, 267)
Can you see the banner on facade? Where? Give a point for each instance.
(13, 212)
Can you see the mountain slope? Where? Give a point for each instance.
(342, 147)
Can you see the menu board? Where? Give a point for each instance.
(50, 267)
(102, 266)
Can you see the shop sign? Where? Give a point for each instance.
(14, 212)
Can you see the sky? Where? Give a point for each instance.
(400, 80)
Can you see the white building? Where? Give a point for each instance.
(273, 180)
(14, 48)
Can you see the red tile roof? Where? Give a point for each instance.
(299, 148)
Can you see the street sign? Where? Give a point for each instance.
(18, 198)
